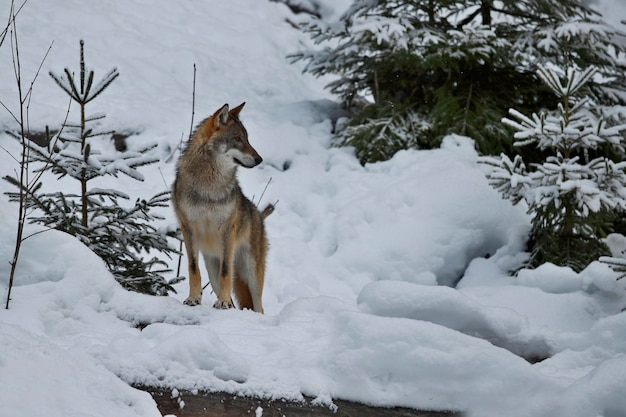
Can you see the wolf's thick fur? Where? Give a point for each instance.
(216, 218)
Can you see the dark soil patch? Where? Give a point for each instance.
(227, 405)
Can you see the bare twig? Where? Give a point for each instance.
(52, 145)
(193, 113)
(193, 101)
(15, 118)
(12, 15)
(269, 209)
(9, 153)
(176, 148)
(23, 161)
(23, 123)
(262, 193)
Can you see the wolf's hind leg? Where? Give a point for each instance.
(212, 264)
(249, 280)
(242, 293)
(256, 288)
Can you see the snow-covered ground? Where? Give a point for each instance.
(353, 309)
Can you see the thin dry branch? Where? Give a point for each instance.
(193, 112)
(22, 121)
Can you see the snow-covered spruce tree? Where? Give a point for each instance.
(575, 192)
(119, 235)
(459, 65)
(378, 133)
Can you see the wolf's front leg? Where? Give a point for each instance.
(224, 298)
(195, 288)
(193, 300)
(195, 283)
(223, 305)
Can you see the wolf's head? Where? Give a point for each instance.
(227, 138)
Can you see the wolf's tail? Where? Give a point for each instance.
(269, 209)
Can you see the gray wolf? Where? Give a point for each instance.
(215, 216)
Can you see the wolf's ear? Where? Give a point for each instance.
(235, 112)
(221, 116)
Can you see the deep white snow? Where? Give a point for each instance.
(353, 309)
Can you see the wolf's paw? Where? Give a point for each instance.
(193, 301)
(223, 304)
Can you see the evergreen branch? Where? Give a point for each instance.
(88, 86)
(37, 233)
(94, 117)
(107, 192)
(82, 68)
(616, 264)
(518, 13)
(469, 18)
(72, 86)
(118, 235)
(103, 84)
(160, 199)
(61, 83)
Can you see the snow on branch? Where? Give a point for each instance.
(567, 194)
(574, 80)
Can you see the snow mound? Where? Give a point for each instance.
(451, 308)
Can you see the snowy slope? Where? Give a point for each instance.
(353, 309)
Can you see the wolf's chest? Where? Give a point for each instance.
(209, 222)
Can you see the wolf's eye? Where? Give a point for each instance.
(238, 139)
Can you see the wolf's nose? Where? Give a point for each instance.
(258, 160)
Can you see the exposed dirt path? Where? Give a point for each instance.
(226, 405)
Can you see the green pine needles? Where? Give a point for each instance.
(459, 66)
(574, 194)
(124, 237)
(378, 132)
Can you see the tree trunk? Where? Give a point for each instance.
(83, 178)
(485, 11)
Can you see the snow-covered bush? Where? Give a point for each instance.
(378, 132)
(119, 235)
(461, 65)
(574, 193)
